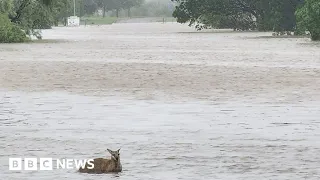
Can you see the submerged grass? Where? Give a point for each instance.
(284, 37)
(93, 20)
(47, 41)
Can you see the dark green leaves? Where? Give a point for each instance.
(265, 15)
(308, 17)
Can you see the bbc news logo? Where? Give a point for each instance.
(47, 164)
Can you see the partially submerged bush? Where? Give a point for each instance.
(309, 18)
(9, 32)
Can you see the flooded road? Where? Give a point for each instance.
(180, 104)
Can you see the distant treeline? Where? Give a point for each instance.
(136, 8)
(154, 8)
(19, 18)
(91, 6)
(263, 15)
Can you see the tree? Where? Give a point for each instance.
(26, 17)
(309, 18)
(9, 32)
(283, 14)
(154, 8)
(128, 4)
(90, 7)
(238, 14)
(211, 13)
(6, 6)
(108, 5)
(61, 9)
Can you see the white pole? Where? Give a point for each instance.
(74, 7)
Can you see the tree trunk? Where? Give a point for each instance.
(104, 11)
(19, 12)
(117, 13)
(56, 22)
(129, 12)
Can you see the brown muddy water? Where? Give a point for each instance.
(181, 104)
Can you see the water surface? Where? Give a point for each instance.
(180, 104)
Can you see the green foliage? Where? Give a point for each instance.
(236, 22)
(283, 15)
(9, 32)
(6, 6)
(24, 17)
(109, 5)
(126, 4)
(32, 15)
(309, 18)
(89, 7)
(61, 9)
(238, 14)
(155, 8)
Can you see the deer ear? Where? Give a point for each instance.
(109, 151)
(119, 150)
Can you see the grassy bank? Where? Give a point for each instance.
(94, 20)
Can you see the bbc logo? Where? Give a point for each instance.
(30, 164)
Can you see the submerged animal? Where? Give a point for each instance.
(102, 165)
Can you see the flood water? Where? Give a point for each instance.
(180, 104)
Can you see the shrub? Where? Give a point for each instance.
(309, 18)
(9, 32)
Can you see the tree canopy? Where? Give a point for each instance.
(25, 15)
(309, 18)
(29, 16)
(264, 15)
(117, 5)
